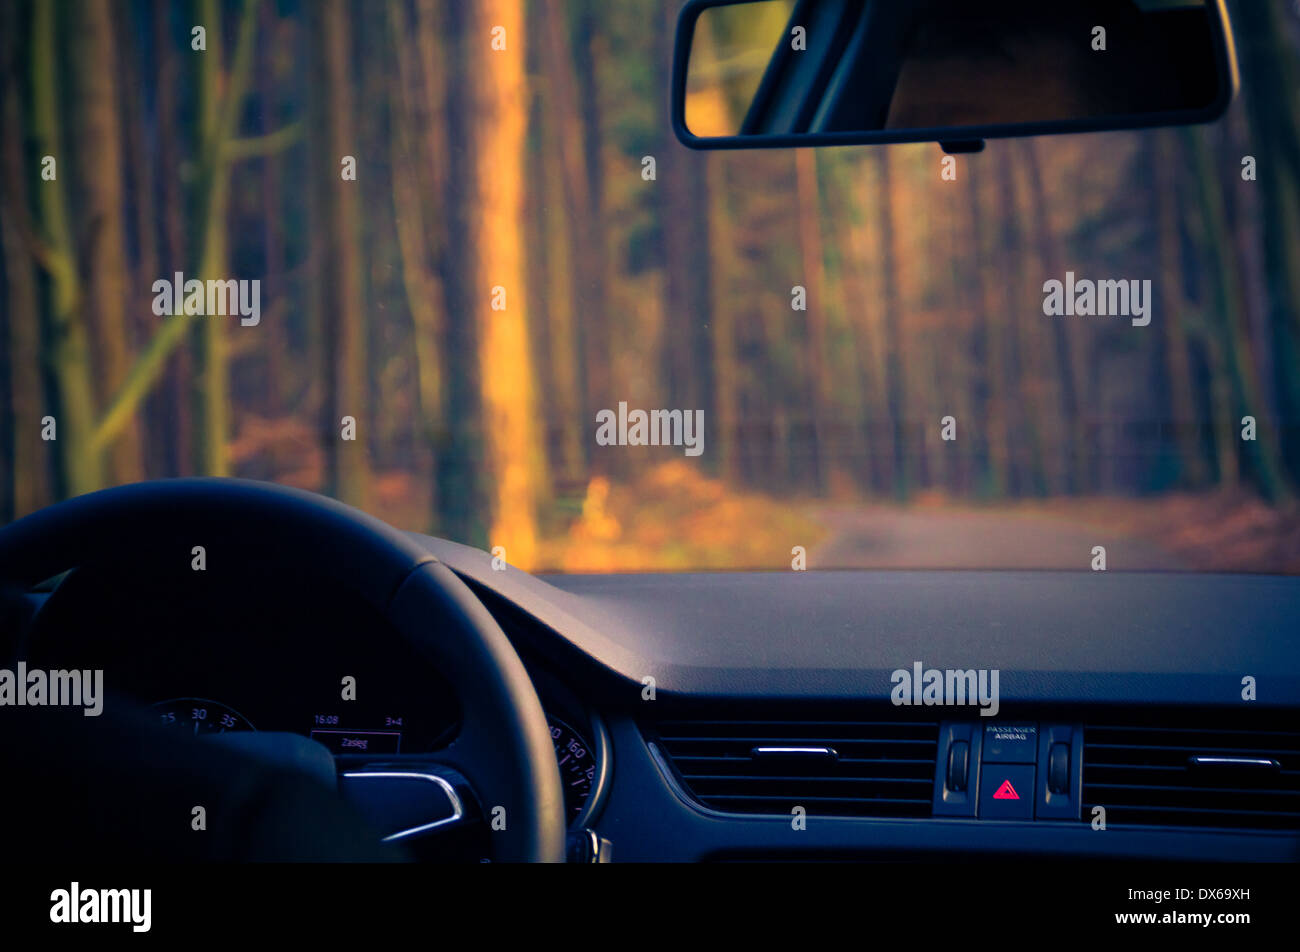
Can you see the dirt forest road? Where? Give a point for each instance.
(953, 538)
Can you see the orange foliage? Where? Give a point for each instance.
(674, 518)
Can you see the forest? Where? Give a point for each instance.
(473, 231)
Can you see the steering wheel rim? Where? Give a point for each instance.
(503, 748)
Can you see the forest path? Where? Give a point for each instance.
(974, 538)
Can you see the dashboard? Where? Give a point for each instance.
(690, 713)
(1142, 716)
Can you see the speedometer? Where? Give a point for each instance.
(577, 766)
(201, 716)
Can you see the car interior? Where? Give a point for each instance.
(283, 659)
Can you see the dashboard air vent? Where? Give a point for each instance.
(1217, 775)
(833, 767)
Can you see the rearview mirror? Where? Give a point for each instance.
(780, 73)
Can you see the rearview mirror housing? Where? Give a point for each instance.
(783, 73)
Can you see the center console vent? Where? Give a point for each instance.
(1207, 774)
(830, 767)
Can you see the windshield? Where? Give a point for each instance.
(448, 263)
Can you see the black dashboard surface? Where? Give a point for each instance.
(1057, 637)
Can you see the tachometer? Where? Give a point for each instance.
(577, 765)
(201, 716)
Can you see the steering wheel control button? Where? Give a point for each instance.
(400, 803)
(1007, 793)
(1011, 743)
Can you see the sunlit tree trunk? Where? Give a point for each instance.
(496, 100)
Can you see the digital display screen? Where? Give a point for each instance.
(328, 729)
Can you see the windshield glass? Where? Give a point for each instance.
(447, 262)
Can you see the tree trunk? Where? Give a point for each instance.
(177, 382)
(724, 418)
(563, 370)
(211, 395)
(1067, 350)
(988, 355)
(25, 484)
(575, 118)
(892, 357)
(1226, 312)
(80, 467)
(423, 289)
(345, 344)
(1166, 178)
(813, 278)
(495, 188)
(100, 210)
(1270, 79)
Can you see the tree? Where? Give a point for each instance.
(1270, 80)
(343, 319)
(23, 484)
(80, 467)
(1237, 368)
(899, 475)
(102, 232)
(222, 97)
(424, 296)
(491, 122)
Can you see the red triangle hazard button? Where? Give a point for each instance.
(1006, 792)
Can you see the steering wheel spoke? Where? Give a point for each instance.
(404, 801)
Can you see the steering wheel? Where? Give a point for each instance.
(503, 748)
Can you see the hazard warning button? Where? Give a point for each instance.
(1006, 792)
